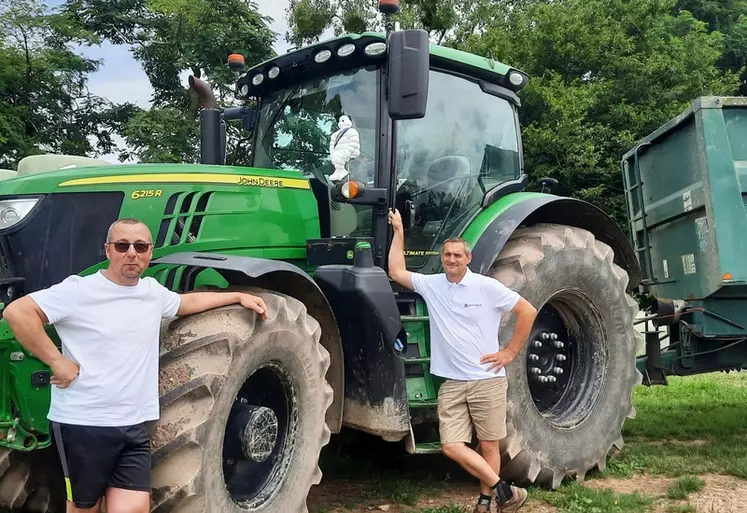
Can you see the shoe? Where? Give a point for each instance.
(481, 508)
(517, 501)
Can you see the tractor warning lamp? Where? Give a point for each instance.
(389, 6)
(350, 189)
(236, 62)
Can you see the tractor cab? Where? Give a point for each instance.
(379, 121)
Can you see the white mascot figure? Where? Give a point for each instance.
(344, 145)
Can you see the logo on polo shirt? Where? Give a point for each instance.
(467, 305)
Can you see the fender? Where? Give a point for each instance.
(282, 277)
(493, 226)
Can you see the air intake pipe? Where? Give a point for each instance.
(212, 126)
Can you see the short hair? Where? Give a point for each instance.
(126, 220)
(460, 240)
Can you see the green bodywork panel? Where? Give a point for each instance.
(167, 197)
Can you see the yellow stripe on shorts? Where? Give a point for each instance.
(69, 489)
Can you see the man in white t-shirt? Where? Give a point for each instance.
(105, 381)
(465, 313)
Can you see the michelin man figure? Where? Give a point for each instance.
(344, 145)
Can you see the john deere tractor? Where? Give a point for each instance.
(247, 405)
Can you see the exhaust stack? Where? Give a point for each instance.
(212, 127)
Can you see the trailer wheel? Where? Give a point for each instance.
(570, 387)
(243, 404)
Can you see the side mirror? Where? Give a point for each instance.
(248, 116)
(408, 65)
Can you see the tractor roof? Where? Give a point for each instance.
(299, 61)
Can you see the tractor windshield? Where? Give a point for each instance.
(466, 144)
(297, 124)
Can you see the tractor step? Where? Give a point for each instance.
(428, 448)
(417, 360)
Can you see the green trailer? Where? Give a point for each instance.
(247, 406)
(686, 192)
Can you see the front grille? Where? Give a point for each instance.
(65, 236)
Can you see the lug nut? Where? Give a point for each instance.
(551, 379)
(553, 336)
(537, 344)
(545, 336)
(558, 370)
(560, 357)
(558, 344)
(534, 357)
(543, 379)
(535, 370)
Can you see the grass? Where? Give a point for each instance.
(684, 486)
(694, 426)
(575, 498)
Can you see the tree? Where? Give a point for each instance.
(44, 102)
(603, 73)
(728, 17)
(169, 38)
(308, 19)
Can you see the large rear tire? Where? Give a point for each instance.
(243, 404)
(570, 387)
(31, 482)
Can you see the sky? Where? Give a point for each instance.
(121, 79)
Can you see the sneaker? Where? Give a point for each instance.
(481, 508)
(517, 501)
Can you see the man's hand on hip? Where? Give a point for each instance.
(499, 359)
(64, 372)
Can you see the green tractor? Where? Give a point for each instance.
(247, 405)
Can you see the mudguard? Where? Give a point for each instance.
(369, 320)
(282, 277)
(490, 231)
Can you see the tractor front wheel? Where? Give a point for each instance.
(243, 404)
(570, 387)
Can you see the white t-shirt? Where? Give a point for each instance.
(112, 332)
(464, 322)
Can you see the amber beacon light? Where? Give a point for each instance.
(389, 6)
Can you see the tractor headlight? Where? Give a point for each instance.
(13, 211)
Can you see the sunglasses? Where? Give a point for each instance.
(124, 247)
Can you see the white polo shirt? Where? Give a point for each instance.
(464, 322)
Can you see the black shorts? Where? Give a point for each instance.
(96, 458)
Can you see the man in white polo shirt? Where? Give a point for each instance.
(465, 312)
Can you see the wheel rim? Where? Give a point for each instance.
(260, 434)
(565, 359)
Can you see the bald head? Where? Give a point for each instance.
(129, 222)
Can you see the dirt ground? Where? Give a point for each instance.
(721, 494)
(343, 496)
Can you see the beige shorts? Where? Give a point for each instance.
(463, 405)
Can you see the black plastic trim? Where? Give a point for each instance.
(500, 92)
(231, 266)
(504, 189)
(560, 210)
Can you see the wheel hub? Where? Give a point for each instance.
(259, 433)
(548, 360)
(563, 359)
